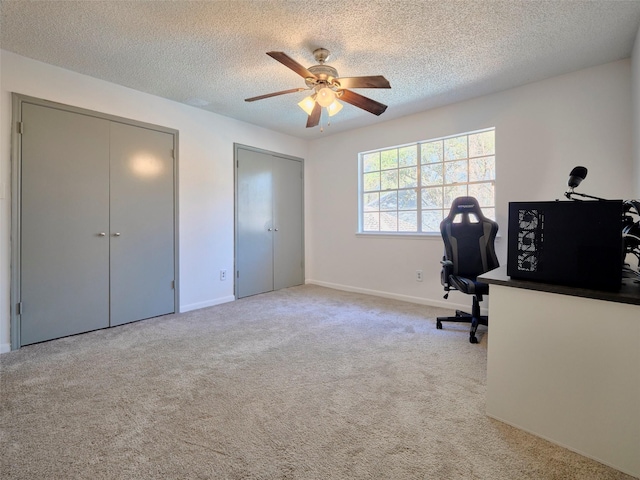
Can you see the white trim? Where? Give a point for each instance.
(5, 348)
(395, 296)
(209, 303)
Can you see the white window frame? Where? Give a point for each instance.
(488, 210)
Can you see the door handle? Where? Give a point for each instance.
(102, 234)
(276, 230)
(269, 229)
(117, 234)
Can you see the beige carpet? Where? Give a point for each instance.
(303, 383)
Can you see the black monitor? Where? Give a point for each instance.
(568, 243)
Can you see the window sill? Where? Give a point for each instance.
(414, 236)
(411, 235)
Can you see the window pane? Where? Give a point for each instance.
(371, 162)
(431, 152)
(389, 180)
(483, 168)
(431, 220)
(489, 213)
(484, 193)
(453, 192)
(455, 148)
(455, 172)
(408, 156)
(371, 181)
(371, 222)
(483, 143)
(408, 221)
(432, 174)
(389, 159)
(407, 200)
(408, 177)
(389, 221)
(432, 197)
(370, 202)
(389, 201)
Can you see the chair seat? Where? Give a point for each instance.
(468, 285)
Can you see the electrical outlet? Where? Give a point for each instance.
(223, 275)
(418, 275)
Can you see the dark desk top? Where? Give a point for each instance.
(629, 291)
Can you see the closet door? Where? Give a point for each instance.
(254, 223)
(64, 243)
(142, 223)
(288, 223)
(269, 222)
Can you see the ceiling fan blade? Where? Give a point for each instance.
(274, 94)
(375, 81)
(364, 103)
(314, 118)
(287, 61)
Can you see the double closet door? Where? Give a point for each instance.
(269, 222)
(96, 223)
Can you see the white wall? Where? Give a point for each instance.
(543, 130)
(206, 176)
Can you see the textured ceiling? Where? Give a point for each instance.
(211, 54)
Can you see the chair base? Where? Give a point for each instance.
(474, 319)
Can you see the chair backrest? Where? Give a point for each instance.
(469, 238)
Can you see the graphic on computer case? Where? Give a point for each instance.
(530, 239)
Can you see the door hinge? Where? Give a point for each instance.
(20, 128)
(19, 308)
(237, 163)
(173, 284)
(173, 154)
(238, 274)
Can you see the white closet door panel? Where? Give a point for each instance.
(142, 223)
(64, 210)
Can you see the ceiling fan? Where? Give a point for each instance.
(328, 87)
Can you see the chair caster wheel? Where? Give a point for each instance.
(438, 325)
(473, 339)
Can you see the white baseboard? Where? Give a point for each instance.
(209, 303)
(5, 347)
(395, 296)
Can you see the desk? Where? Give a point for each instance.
(564, 364)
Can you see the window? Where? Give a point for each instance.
(409, 189)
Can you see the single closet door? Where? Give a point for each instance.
(288, 223)
(269, 222)
(254, 223)
(142, 223)
(64, 242)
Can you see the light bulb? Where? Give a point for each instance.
(325, 97)
(307, 104)
(334, 108)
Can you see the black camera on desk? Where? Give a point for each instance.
(577, 243)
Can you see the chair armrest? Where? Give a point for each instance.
(447, 270)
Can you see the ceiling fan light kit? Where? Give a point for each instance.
(328, 87)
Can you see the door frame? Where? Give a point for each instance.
(236, 147)
(16, 194)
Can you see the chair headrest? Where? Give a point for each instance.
(465, 206)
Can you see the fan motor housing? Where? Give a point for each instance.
(324, 74)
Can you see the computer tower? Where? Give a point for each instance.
(574, 243)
